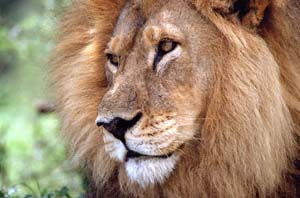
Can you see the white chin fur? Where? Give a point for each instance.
(149, 171)
(144, 171)
(114, 148)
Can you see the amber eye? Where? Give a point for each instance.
(113, 59)
(164, 47)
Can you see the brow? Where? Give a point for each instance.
(154, 34)
(118, 44)
(113, 45)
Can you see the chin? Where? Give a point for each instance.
(148, 171)
(145, 171)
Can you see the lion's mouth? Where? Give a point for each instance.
(132, 154)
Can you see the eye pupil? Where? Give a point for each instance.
(167, 46)
(164, 47)
(114, 59)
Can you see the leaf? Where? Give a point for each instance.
(64, 192)
(49, 195)
(2, 194)
(82, 195)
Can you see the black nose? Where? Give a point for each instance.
(119, 126)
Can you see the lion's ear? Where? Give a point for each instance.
(248, 12)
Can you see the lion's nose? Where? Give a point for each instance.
(118, 126)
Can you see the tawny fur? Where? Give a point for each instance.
(246, 109)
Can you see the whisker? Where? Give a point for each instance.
(194, 119)
(109, 142)
(181, 151)
(110, 150)
(154, 127)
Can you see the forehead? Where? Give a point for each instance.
(168, 11)
(137, 15)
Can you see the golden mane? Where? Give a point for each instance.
(249, 146)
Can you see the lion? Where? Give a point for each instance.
(181, 98)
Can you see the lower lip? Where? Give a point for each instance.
(132, 154)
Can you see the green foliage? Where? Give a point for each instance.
(27, 192)
(31, 150)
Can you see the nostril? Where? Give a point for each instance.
(99, 123)
(113, 126)
(118, 126)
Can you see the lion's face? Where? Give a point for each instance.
(159, 71)
(197, 98)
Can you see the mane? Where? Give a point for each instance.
(249, 143)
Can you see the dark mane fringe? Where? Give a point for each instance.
(78, 80)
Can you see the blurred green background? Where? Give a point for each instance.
(33, 160)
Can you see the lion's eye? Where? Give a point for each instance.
(164, 47)
(113, 59)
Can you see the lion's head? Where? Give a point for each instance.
(159, 72)
(188, 95)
